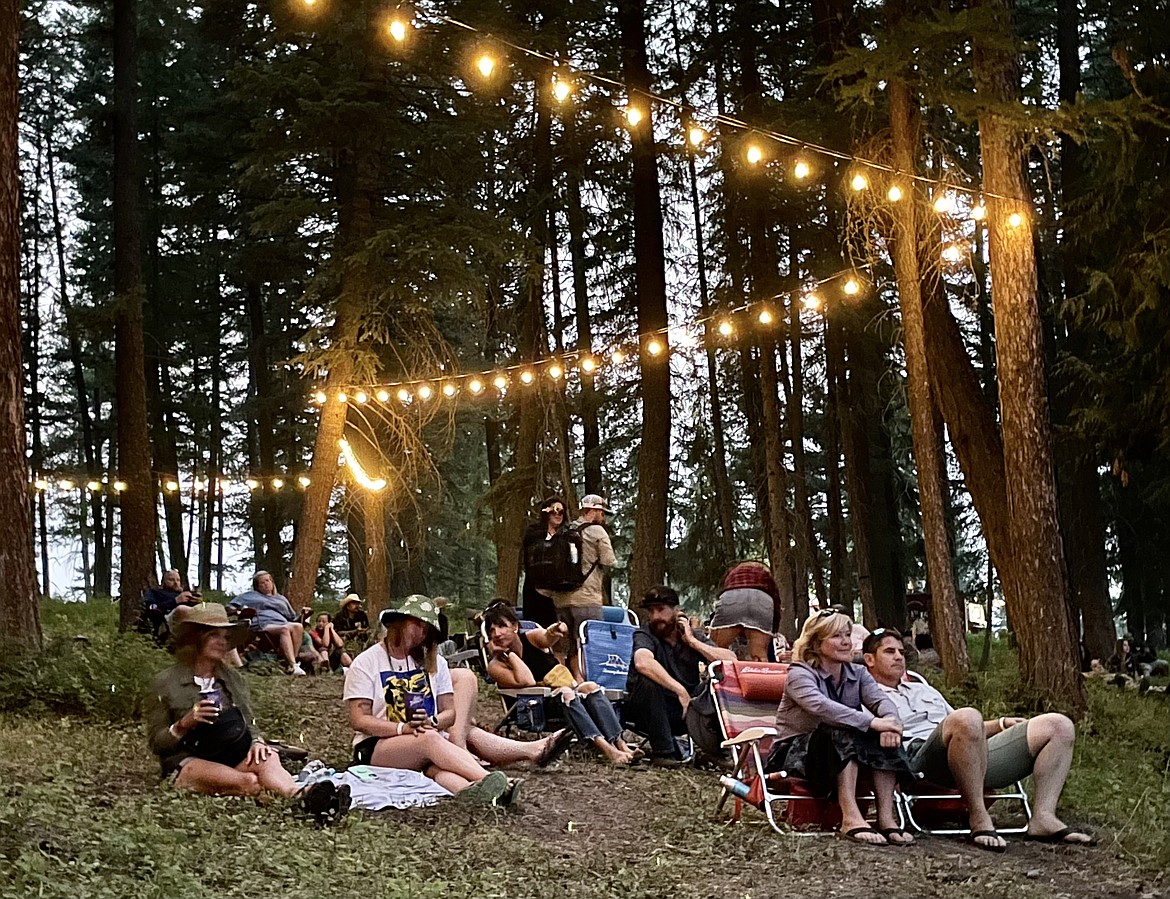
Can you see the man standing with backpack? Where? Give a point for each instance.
(584, 603)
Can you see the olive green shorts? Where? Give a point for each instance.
(1008, 758)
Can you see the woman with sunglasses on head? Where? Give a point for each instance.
(834, 720)
(537, 602)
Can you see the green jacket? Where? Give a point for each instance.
(172, 695)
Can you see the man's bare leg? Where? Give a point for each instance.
(963, 736)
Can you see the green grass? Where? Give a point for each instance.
(82, 812)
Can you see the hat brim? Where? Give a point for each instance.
(658, 602)
(389, 615)
(186, 632)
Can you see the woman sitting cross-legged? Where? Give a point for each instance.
(525, 660)
(197, 716)
(834, 720)
(401, 702)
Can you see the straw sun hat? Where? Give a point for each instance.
(209, 615)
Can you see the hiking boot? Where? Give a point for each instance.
(488, 791)
(512, 794)
(325, 802)
(666, 761)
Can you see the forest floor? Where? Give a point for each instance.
(82, 812)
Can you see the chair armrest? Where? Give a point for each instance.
(525, 691)
(458, 658)
(751, 735)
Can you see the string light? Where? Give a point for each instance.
(277, 483)
(754, 154)
(476, 386)
(93, 486)
(812, 301)
(486, 65)
(766, 317)
(403, 395)
(851, 287)
(555, 371)
(343, 397)
(633, 116)
(500, 382)
(561, 90)
(383, 396)
(801, 170)
(527, 377)
(320, 397)
(696, 136)
(304, 481)
(726, 328)
(359, 473)
(66, 484)
(588, 365)
(1015, 220)
(617, 357)
(251, 483)
(450, 389)
(425, 392)
(119, 486)
(41, 484)
(654, 347)
(859, 182)
(894, 193)
(398, 29)
(171, 486)
(361, 397)
(978, 212)
(952, 253)
(944, 204)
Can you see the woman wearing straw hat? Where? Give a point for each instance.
(198, 715)
(401, 701)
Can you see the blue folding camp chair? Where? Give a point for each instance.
(606, 650)
(619, 614)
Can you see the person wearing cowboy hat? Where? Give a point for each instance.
(400, 699)
(198, 713)
(351, 620)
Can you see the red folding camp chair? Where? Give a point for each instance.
(747, 695)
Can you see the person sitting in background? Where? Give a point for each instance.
(1123, 660)
(199, 716)
(748, 607)
(665, 673)
(525, 660)
(352, 622)
(957, 748)
(835, 720)
(327, 642)
(273, 615)
(159, 602)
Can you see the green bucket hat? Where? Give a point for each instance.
(414, 606)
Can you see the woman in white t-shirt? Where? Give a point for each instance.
(400, 701)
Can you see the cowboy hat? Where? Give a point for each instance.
(209, 615)
(351, 598)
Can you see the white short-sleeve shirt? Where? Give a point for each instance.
(385, 681)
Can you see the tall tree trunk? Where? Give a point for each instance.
(948, 625)
(1044, 628)
(32, 350)
(271, 550)
(139, 521)
(377, 560)
(834, 367)
(806, 537)
(215, 428)
(780, 543)
(648, 566)
(355, 517)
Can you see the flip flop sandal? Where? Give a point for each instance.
(889, 832)
(1061, 837)
(986, 847)
(855, 836)
(557, 746)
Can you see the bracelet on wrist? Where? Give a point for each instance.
(1002, 724)
(398, 733)
(173, 733)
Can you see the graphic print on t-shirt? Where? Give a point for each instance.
(395, 686)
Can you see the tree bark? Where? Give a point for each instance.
(948, 625)
(648, 566)
(1046, 634)
(139, 519)
(19, 614)
(377, 560)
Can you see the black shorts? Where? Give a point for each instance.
(363, 752)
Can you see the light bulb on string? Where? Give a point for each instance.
(361, 397)
(221, 484)
(399, 28)
(859, 182)
(851, 287)
(499, 382)
(475, 385)
(588, 365)
(342, 397)
(654, 347)
(527, 377)
(119, 486)
(726, 328)
(450, 389)
(555, 371)
(801, 170)
(766, 317)
(171, 486)
(277, 483)
(952, 253)
(634, 116)
(617, 357)
(696, 136)
(304, 481)
(403, 395)
(754, 154)
(321, 397)
(485, 64)
(383, 395)
(66, 484)
(41, 484)
(93, 486)
(811, 302)
(894, 194)
(978, 212)
(1015, 220)
(561, 90)
(251, 483)
(424, 392)
(944, 204)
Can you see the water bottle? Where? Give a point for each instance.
(573, 554)
(738, 787)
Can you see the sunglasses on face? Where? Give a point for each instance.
(555, 510)
(827, 613)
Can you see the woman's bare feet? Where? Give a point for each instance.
(615, 755)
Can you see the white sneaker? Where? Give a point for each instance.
(297, 670)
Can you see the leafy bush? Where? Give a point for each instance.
(102, 677)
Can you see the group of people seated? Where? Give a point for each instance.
(839, 721)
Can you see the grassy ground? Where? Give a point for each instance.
(82, 813)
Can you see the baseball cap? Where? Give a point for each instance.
(593, 501)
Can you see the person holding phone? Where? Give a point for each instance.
(400, 699)
(666, 673)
